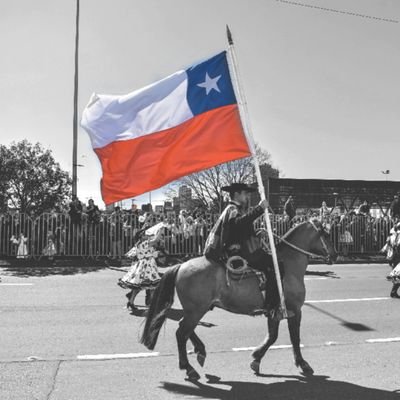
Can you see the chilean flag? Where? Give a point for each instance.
(182, 124)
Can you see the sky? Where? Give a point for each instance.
(322, 87)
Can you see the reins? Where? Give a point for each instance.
(298, 249)
(305, 252)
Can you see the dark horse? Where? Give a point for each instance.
(202, 284)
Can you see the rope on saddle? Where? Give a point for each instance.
(235, 265)
(237, 268)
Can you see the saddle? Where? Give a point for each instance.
(237, 269)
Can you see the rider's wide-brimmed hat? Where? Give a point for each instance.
(238, 187)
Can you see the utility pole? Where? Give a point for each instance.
(75, 118)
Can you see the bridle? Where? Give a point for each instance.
(305, 252)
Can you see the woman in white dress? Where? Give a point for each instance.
(22, 250)
(392, 250)
(143, 274)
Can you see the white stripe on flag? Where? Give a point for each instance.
(154, 108)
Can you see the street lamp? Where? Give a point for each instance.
(386, 173)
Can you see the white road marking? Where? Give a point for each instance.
(385, 340)
(278, 347)
(16, 284)
(243, 348)
(100, 357)
(116, 356)
(34, 358)
(347, 300)
(284, 346)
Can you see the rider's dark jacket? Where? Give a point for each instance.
(234, 234)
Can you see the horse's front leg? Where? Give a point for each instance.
(199, 348)
(294, 331)
(259, 352)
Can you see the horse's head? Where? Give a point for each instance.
(321, 243)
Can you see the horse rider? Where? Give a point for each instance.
(234, 234)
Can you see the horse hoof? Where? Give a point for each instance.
(305, 368)
(201, 359)
(255, 366)
(192, 375)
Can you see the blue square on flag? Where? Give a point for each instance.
(209, 85)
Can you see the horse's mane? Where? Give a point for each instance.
(292, 230)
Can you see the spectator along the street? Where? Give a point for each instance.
(394, 209)
(290, 209)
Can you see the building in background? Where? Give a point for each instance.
(184, 200)
(168, 206)
(185, 197)
(347, 195)
(175, 205)
(147, 207)
(159, 209)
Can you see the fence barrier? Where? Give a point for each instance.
(57, 234)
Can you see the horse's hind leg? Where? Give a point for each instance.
(186, 327)
(199, 348)
(294, 331)
(259, 352)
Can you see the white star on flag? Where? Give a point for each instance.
(210, 83)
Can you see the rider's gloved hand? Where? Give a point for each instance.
(263, 204)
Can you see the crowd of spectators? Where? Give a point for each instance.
(354, 230)
(83, 230)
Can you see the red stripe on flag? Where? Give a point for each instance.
(136, 166)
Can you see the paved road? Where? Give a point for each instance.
(58, 331)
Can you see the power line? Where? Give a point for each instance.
(353, 14)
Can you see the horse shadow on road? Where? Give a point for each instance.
(323, 274)
(294, 387)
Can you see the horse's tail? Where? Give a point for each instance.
(161, 302)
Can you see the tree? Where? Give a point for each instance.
(206, 185)
(31, 179)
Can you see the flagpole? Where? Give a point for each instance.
(250, 140)
(75, 118)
